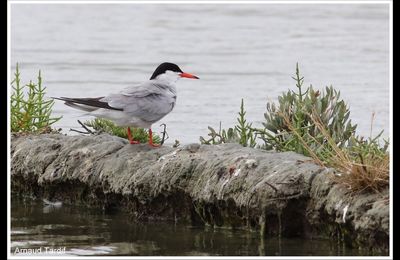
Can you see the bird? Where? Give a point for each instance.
(137, 106)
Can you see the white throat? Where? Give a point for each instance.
(168, 78)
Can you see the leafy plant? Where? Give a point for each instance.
(317, 125)
(30, 111)
(104, 125)
(244, 129)
(222, 136)
(294, 109)
(241, 133)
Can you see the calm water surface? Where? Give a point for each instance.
(85, 231)
(247, 51)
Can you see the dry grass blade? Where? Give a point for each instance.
(305, 145)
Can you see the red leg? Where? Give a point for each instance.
(151, 139)
(131, 141)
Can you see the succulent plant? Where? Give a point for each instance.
(295, 110)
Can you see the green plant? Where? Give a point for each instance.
(244, 129)
(294, 109)
(241, 133)
(222, 136)
(317, 125)
(104, 125)
(30, 111)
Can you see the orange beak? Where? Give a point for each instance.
(187, 75)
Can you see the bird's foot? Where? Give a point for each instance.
(134, 142)
(151, 139)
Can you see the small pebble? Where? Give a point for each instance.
(251, 163)
(192, 147)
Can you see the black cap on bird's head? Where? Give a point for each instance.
(168, 66)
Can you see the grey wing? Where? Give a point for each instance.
(149, 102)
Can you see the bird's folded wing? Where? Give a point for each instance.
(148, 102)
(143, 90)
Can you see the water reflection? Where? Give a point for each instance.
(85, 231)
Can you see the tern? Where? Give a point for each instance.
(136, 106)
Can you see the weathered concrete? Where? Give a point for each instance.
(222, 186)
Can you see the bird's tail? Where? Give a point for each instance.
(86, 104)
(71, 103)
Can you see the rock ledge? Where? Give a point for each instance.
(222, 186)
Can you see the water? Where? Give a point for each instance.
(238, 51)
(85, 232)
